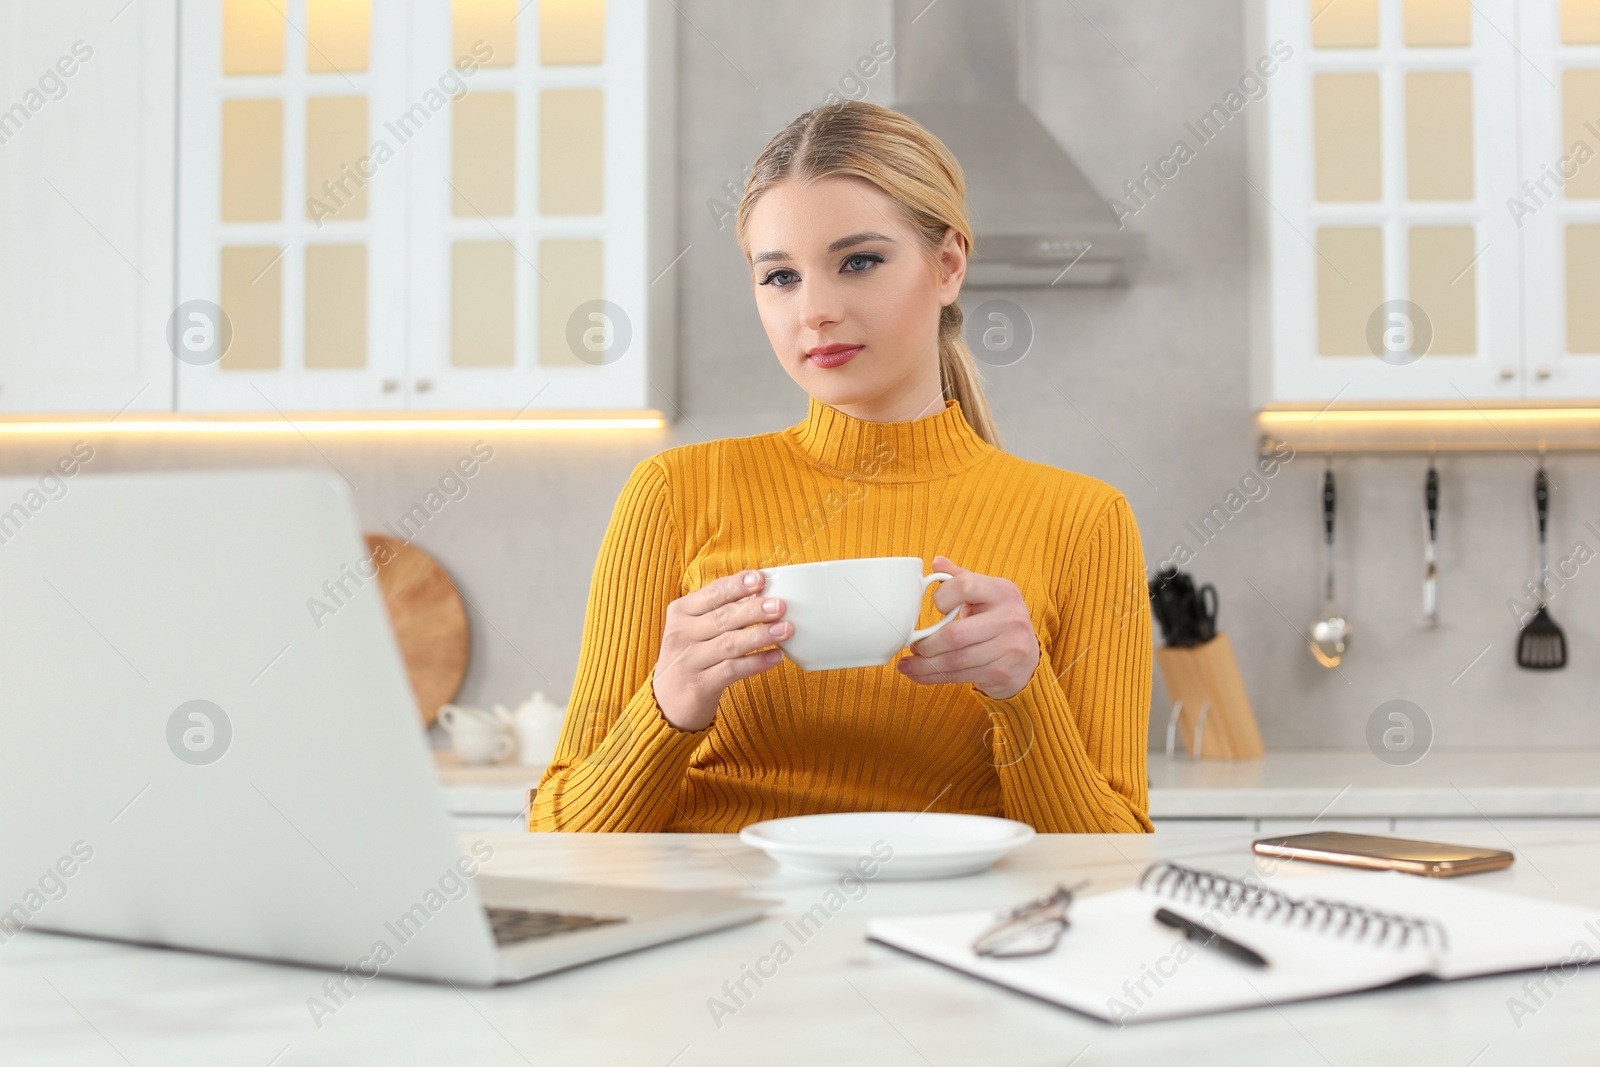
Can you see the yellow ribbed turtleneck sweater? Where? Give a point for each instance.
(1067, 753)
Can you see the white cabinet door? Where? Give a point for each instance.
(86, 178)
(429, 206)
(542, 202)
(1386, 265)
(291, 215)
(1557, 205)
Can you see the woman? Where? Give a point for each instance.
(1033, 704)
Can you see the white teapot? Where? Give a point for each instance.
(538, 726)
(479, 736)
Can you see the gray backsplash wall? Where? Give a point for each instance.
(1159, 404)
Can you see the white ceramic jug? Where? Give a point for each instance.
(538, 724)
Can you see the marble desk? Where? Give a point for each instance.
(839, 1000)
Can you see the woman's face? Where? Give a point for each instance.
(835, 263)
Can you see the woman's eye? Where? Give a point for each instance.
(853, 264)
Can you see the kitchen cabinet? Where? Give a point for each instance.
(87, 94)
(285, 222)
(1298, 791)
(542, 256)
(430, 206)
(1398, 253)
(494, 798)
(409, 207)
(1557, 203)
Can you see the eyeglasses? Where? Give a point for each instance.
(1030, 929)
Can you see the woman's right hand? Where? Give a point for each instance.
(710, 642)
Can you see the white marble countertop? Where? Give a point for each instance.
(1304, 784)
(839, 999)
(1354, 783)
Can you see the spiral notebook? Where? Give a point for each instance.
(1321, 935)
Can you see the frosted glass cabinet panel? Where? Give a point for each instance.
(483, 304)
(1582, 253)
(1439, 283)
(252, 160)
(1438, 23)
(452, 205)
(1386, 265)
(1580, 22)
(338, 35)
(1348, 144)
(252, 37)
(572, 31)
(1439, 135)
(252, 290)
(483, 155)
(1343, 23)
(1349, 285)
(492, 22)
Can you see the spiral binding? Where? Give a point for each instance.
(1368, 925)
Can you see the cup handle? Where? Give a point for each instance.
(929, 631)
(447, 716)
(503, 746)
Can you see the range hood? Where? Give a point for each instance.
(1036, 219)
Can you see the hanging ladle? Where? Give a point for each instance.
(1331, 633)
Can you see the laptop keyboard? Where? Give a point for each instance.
(512, 925)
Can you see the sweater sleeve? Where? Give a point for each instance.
(1070, 746)
(620, 763)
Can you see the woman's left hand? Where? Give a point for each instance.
(991, 644)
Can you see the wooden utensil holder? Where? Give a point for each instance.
(1209, 705)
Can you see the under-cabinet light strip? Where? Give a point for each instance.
(319, 425)
(1429, 415)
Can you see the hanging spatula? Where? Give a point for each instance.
(1541, 646)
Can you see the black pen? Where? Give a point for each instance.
(1206, 936)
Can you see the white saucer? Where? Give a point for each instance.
(903, 844)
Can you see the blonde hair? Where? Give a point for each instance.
(855, 139)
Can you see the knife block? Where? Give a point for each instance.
(1208, 698)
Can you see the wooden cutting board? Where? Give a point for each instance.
(429, 619)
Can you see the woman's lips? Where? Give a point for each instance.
(833, 355)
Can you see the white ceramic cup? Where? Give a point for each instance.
(476, 736)
(852, 612)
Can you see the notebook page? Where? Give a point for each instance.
(1116, 962)
(1489, 931)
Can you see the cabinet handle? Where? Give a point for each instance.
(390, 385)
(1543, 371)
(423, 385)
(1508, 372)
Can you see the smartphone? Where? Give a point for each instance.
(1429, 858)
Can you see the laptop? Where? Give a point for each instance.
(211, 744)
